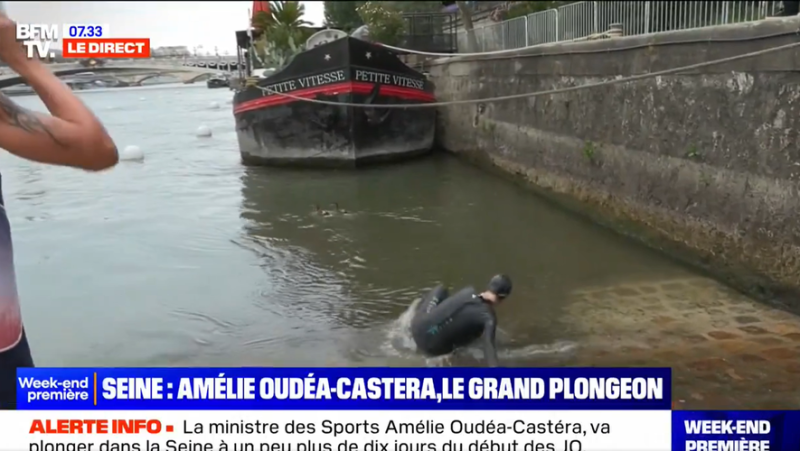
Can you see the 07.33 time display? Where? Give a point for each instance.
(84, 31)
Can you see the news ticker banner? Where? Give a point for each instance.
(400, 430)
(372, 409)
(343, 388)
(79, 41)
(345, 430)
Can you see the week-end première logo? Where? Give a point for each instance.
(79, 41)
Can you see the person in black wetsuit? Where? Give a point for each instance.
(443, 323)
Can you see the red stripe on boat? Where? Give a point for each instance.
(355, 87)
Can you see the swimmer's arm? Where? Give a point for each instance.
(489, 348)
(72, 136)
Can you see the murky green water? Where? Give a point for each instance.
(189, 258)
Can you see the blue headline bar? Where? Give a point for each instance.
(344, 388)
(753, 430)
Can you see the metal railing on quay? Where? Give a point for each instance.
(509, 34)
(542, 27)
(583, 19)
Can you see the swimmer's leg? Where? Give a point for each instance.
(432, 299)
(421, 321)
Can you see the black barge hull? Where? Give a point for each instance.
(277, 130)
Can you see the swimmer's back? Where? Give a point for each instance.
(456, 322)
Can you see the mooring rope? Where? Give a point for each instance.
(550, 91)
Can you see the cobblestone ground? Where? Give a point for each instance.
(726, 350)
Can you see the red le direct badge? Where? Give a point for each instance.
(106, 48)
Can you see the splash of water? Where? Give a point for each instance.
(558, 347)
(398, 336)
(399, 342)
(520, 355)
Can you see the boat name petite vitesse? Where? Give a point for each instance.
(311, 81)
(367, 76)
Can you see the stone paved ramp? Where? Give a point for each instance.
(725, 349)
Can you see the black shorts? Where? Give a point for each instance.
(17, 357)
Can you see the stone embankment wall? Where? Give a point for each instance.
(706, 161)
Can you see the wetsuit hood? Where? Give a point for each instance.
(500, 285)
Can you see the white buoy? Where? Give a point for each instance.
(142, 99)
(214, 106)
(203, 132)
(131, 153)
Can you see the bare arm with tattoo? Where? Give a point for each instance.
(72, 136)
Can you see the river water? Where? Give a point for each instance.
(189, 258)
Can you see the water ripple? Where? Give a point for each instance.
(190, 258)
(197, 316)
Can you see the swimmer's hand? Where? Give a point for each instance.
(72, 136)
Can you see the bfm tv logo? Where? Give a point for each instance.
(79, 41)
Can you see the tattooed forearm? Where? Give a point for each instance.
(19, 117)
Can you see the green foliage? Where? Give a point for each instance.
(283, 32)
(343, 15)
(385, 23)
(285, 13)
(273, 55)
(384, 19)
